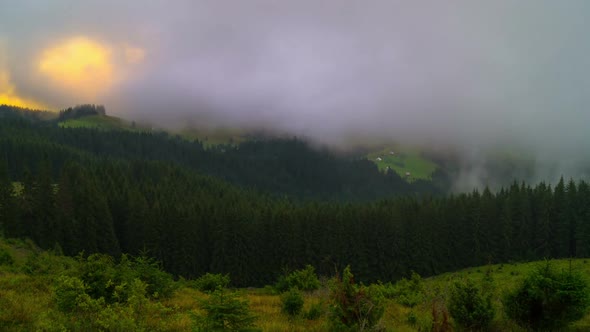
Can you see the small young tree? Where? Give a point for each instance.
(292, 302)
(407, 292)
(354, 307)
(548, 300)
(210, 282)
(470, 309)
(227, 312)
(304, 279)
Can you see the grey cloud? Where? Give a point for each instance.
(472, 74)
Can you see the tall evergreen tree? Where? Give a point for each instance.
(44, 207)
(561, 222)
(8, 217)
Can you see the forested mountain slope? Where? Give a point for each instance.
(117, 192)
(278, 166)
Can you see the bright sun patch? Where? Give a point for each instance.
(79, 65)
(8, 95)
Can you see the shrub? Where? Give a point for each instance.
(315, 311)
(406, 292)
(225, 311)
(68, 291)
(292, 302)
(45, 263)
(210, 282)
(84, 313)
(305, 280)
(470, 309)
(98, 273)
(160, 284)
(6, 257)
(547, 299)
(106, 279)
(354, 307)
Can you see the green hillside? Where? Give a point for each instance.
(406, 161)
(501, 279)
(104, 122)
(44, 291)
(209, 137)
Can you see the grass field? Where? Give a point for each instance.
(209, 137)
(403, 160)
(27, 298)
(104, 122)
(397, 317)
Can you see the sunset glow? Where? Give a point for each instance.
(80, 65)
(9, 96)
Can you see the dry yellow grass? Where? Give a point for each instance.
(27, 303)
(266, 307)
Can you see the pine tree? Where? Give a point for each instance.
(8, 220)
(28, 225)
(44, 207)
(582, 235)
(66, 218)
(572, 213)
(561, 222)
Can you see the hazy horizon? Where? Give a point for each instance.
(474, 75)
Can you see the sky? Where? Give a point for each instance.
(469, 73)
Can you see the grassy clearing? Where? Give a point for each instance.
(403, 160)
(397, 317)
(506, 277)
(27, 298)
(209, 137)
(103, 122)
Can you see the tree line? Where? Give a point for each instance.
(196, 224)
(277, 166)
(73, 200)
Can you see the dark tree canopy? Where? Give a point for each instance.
(259, 208)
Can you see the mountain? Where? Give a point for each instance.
(255, 208)
(279, 166)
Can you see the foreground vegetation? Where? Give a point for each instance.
(44, 291)
(247, 212)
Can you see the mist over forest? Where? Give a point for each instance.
(478, 78)
(294, 165)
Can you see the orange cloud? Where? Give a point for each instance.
(134, 55)
(79, 65)
(9, 96)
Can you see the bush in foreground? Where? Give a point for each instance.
(407, 292)
(548, 300)
(354, 307)
(470, 309)
(292, 302)
(305, 280)
(210, 282)
(225, 311)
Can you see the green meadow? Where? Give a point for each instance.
(43, 291)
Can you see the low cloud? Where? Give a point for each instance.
(477, 76)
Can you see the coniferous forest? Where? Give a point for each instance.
(265, 206)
